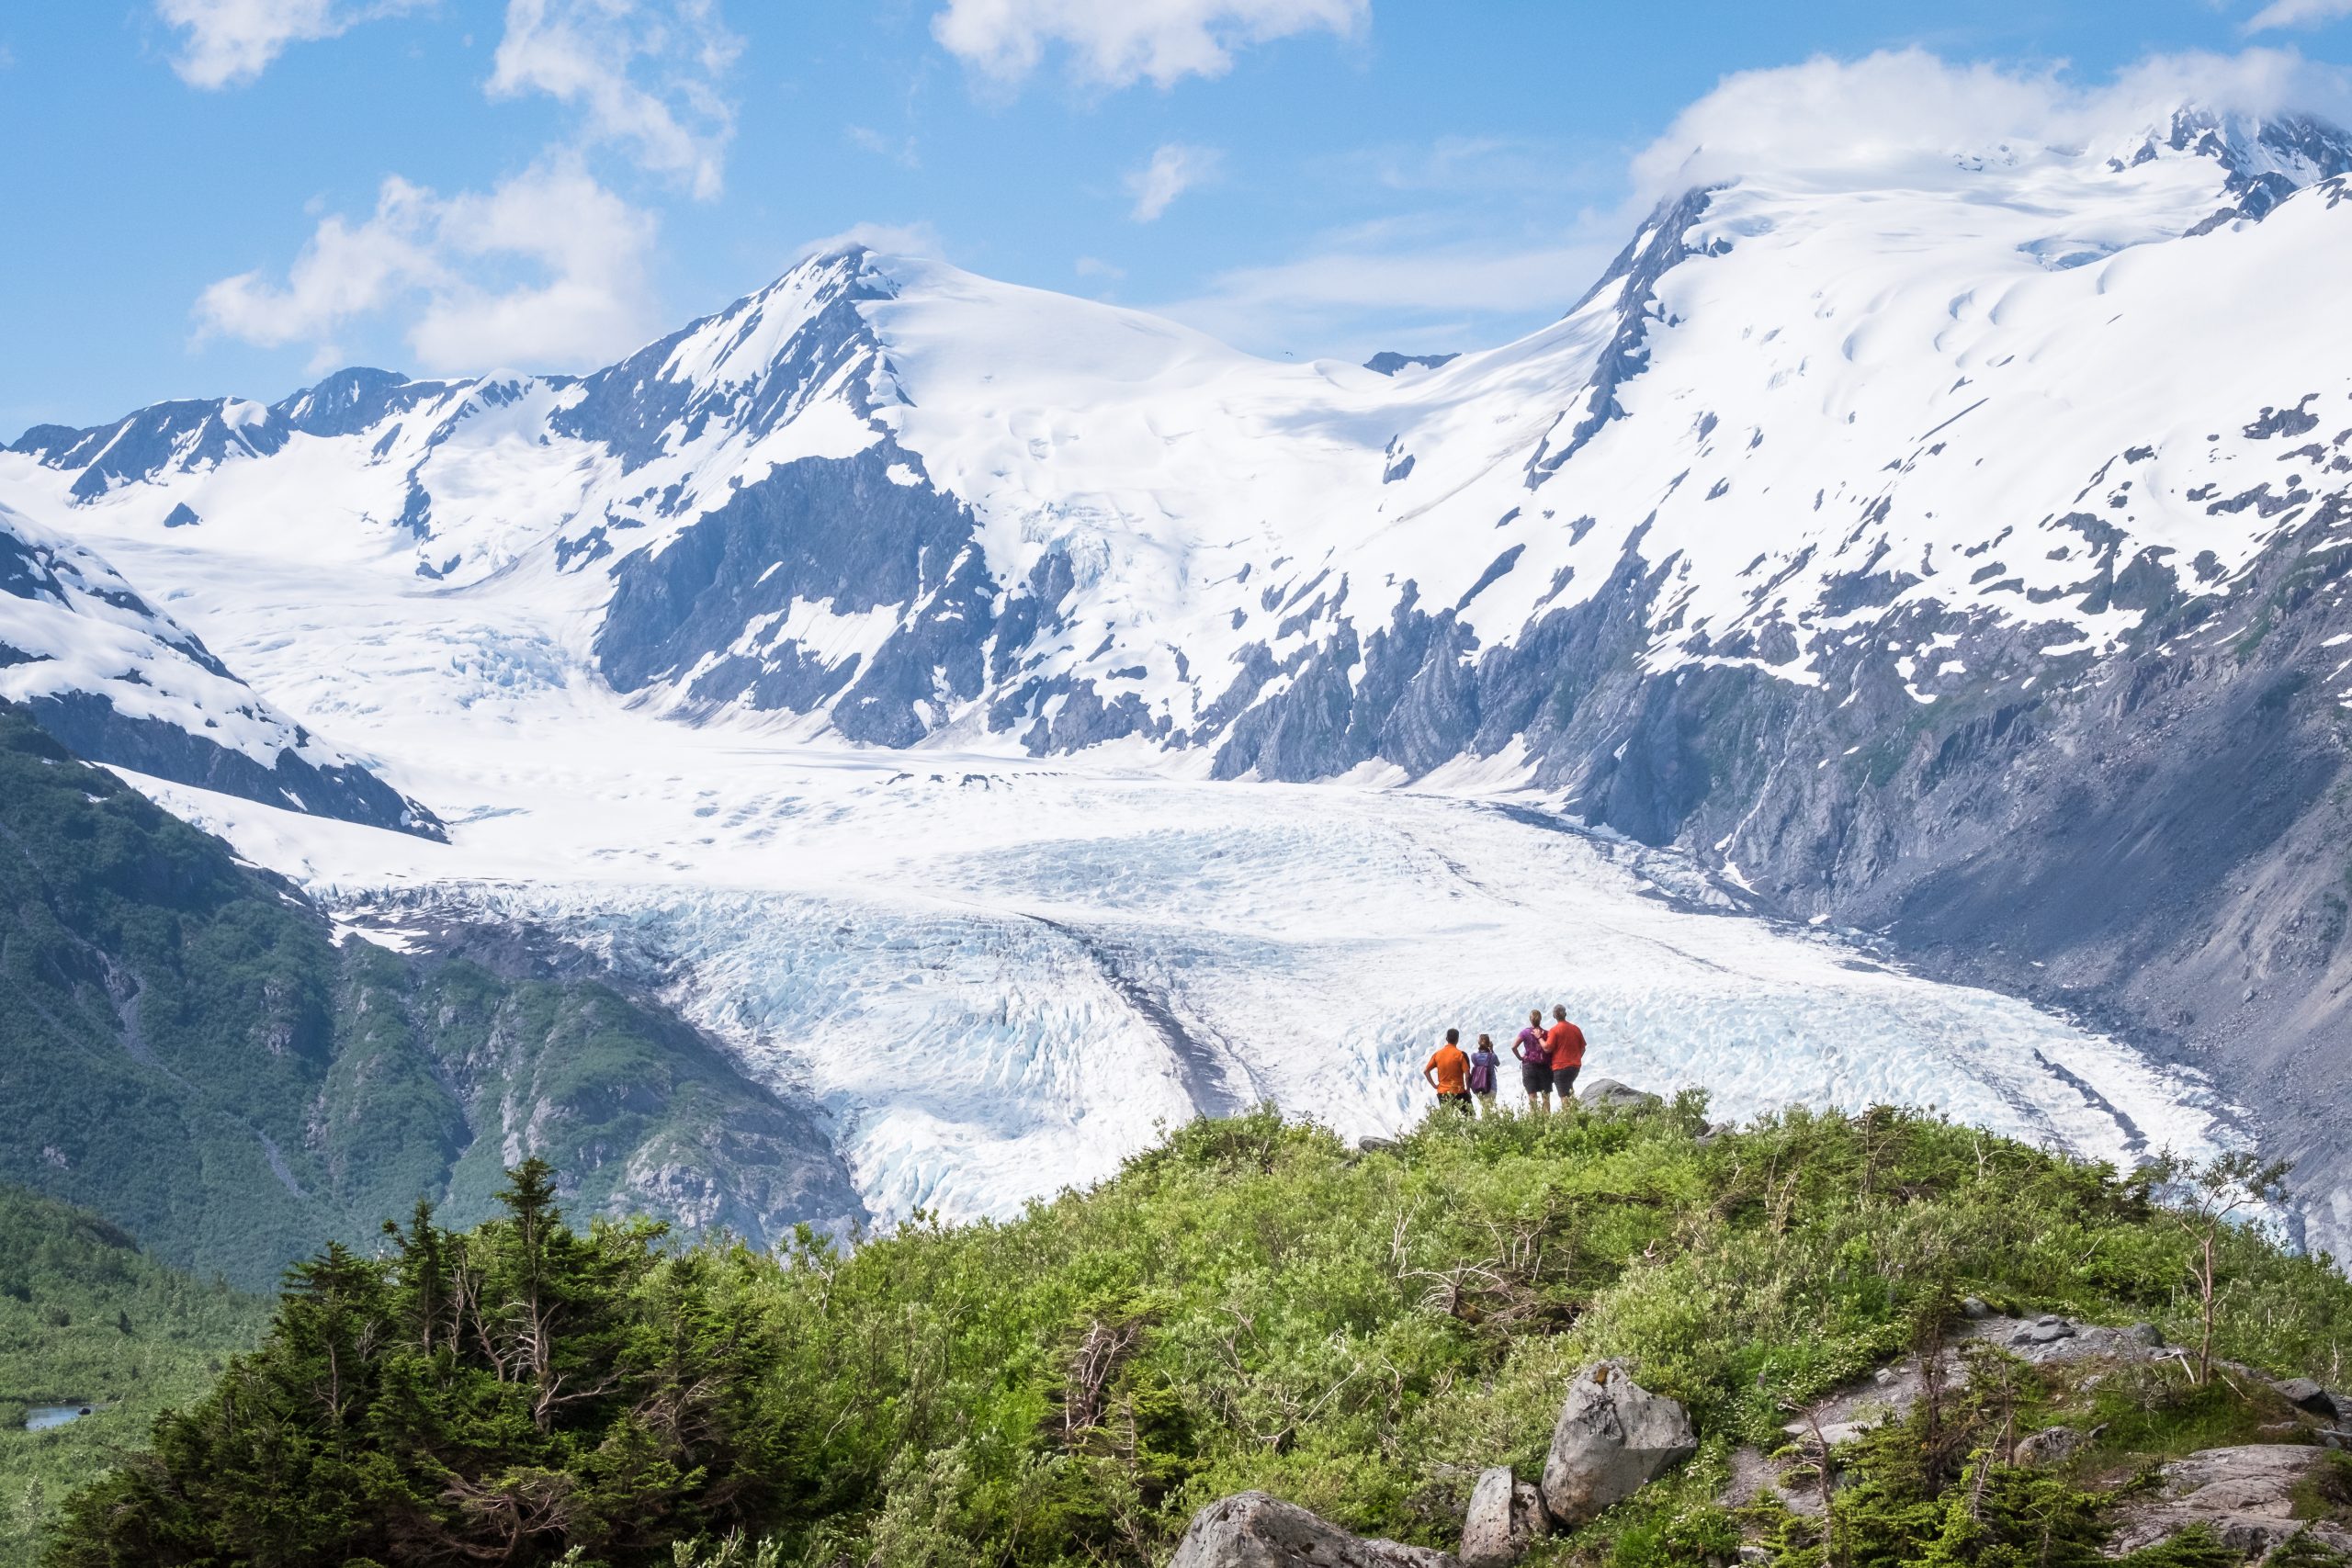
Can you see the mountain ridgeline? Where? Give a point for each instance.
(188, 1050)
(1860, 534)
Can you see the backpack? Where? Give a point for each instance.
(1482, 1072)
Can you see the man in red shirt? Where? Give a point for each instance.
(1567, 1042)
(1446, 1071)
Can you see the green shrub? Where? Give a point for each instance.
(1248, 1304)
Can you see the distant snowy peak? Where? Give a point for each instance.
(889, 499)
(2264, 159)
(197, 435)
(121, 682)
(757, 365)
(167, 437)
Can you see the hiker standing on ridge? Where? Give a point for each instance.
(1484, 1066)
(1446, 1070)
(1565, 1042)
(1534, 1062)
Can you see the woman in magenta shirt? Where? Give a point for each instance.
(1534, 1056)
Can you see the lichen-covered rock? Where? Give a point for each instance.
(1505, 1514)
(1613, 1437)
(1250, 1529)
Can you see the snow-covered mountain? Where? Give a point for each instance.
(1952, 548)
(121, 682)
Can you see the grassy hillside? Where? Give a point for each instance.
(85, 1317)
(1251, 1305)
(186, 1049)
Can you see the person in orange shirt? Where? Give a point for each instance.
(1566, 1044)
(1447, 1071)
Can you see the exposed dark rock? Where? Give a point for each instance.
(1388, 362)
(90, 726)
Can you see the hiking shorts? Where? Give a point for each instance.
(1535, 1077)
(1459, 1100)
(1564, 1081)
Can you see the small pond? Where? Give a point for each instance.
(41, 1418)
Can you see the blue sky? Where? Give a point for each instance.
(232, 196)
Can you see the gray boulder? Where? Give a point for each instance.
(1250, 1529)
(1505, 1515)
(1613, 1437)
(2054, 1445)
(1609, 1094)
(2305, 1394)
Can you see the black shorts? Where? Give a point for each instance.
(1535, 1077)
(1563, 1080)
(1460, 1102)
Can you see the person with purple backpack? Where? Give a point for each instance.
(1484, 1066)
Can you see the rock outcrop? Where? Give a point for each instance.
(1250, 1529)
(2244, 1495)
(1505, 1515)
(1613, 1437)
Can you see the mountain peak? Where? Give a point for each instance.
(2266, 158)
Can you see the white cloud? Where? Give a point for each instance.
(2298, 14)
(592, 53)
(1835, 119)
(890, 238)
(1385, 287)
(546, 270)
(1118, 42)
(1175, 168)
(1094, 267)
(232, 41)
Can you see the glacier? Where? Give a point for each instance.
(998, 977)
